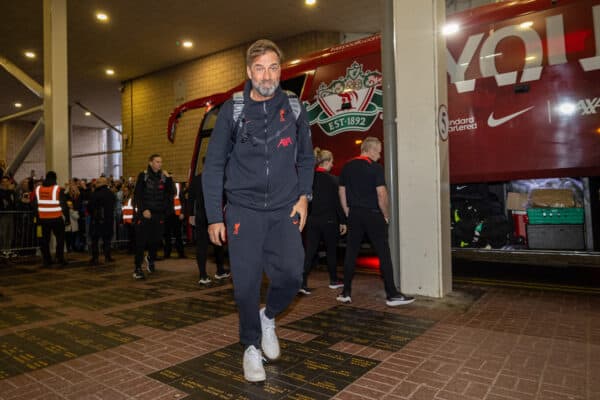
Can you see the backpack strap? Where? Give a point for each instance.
(294, 103)
(238, 105)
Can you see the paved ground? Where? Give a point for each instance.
(94, 333)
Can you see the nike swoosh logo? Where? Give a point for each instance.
(493, 122)
(460, 187)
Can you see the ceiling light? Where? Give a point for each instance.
(110, 71)
(29, 54)
(102, 17)
(187, 43)
(87, 113)
(530, 58)
(450, 29)
(310, 2)
(294, 62)
(18, 105)
(358, 141)
(525, 25)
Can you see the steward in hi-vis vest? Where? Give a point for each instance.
(53, 214)
(127, 210)
(174, 222)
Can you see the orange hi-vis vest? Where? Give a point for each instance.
(48, 202)
(176, 201)
(127, 212)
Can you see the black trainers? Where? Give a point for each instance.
(138, 274)
(344, 297)
(305, 290)
(226, 274)
(399, 300)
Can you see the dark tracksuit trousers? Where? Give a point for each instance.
(106, 235)
(56, 226)
(329, 231)
(148, 233)
(173, 229)
(371, 222)
(260, 241)
(202, 242)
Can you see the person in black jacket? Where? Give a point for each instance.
(365, 202)
(101, 208)
(263, 159)
(202, 241)
(326, 220)
(153, 202)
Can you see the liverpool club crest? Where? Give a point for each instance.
(349, 103)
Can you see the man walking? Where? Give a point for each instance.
(101, 209)
(153, 202)
(364, 198)
(261, 148)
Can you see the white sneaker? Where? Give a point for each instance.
(344, 298)
(253, 365)
(204, 281)
(224, 275)
(269, 342)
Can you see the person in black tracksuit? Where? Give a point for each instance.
(264, 161)
(101, 208)
(326, 220)
(202, 240)
(364, 198)
(153, 202)
(173, 223)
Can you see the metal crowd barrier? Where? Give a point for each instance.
(18, 234)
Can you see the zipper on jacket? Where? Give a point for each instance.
(266, 155)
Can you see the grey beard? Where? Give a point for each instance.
(265, 92)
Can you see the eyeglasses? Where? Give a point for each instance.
(260, 69)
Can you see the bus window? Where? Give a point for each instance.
(294, 84)
(206, 128)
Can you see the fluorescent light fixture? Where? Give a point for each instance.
(18, 105)
(310, 2)
(525, 25)
(187, 43)
(294, 62)
(87, 113)
(101, 16)
(567, 108)
(29, 54)
(110, 71)
(450, 29)
(530, 58)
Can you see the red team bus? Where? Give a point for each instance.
(523, 100)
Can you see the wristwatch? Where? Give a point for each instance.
(308, 196)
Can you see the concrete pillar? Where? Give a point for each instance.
(423, 179)
(56, 112)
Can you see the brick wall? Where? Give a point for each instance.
(148, 101)
(84, 140)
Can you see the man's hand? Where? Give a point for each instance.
(217, 233)
(301, 208)
(147, 214)
(192, 220)
(181, 217)
(343, 229)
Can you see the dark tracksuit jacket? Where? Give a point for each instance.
(263, 167)
(155, 193)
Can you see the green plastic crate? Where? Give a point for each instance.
(556, 216)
